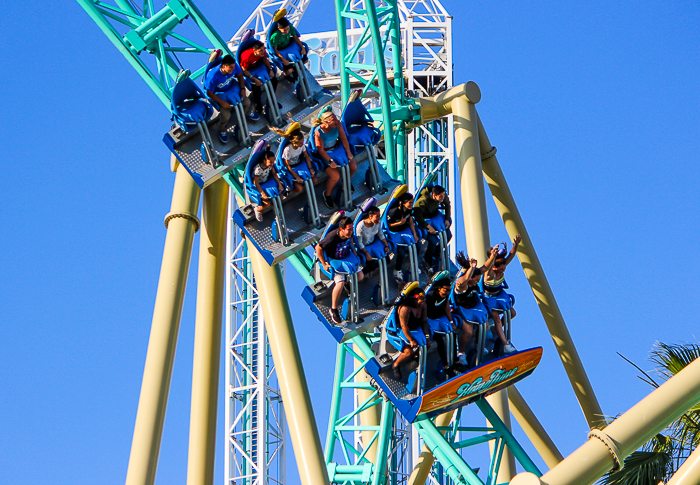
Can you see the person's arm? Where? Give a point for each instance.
(380, 235)
(277, 179)
(322, 257)
(270, 71)
(285, 62)
(298, 42)
(321, 149)
(403, 323)
(344, 140)
(413, 227)
(489, 262)
(448, 210)
(247, 74)
(241, 84)
(419, 215)
(424, 323)
(448, 314)
(514, 249)
(463, 281)
(256, 182)
(217, 99)
(292, 171)
(312, 170)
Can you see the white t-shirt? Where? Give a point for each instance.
(293, 154)
(262, 172)
(366, 234)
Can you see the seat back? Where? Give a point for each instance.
(439, 276)
(185, 95)
(355, 119)
(370, 202)
(279, 161)
(393, 200)
(255, 157)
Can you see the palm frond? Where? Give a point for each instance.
(641, 468)
(671, 359)
(647, 378)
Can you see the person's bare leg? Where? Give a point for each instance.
(467, 332)
(498, 326)
(353, 168)
(405, 354)
(333, 178)
(335, 296)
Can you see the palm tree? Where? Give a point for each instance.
(657, 461)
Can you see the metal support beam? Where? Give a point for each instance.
(476, 225)
(533, 428)
(182, 223)
(689, 472)
(539, 284)
(290, 372)
(608, 448)
(207, 335)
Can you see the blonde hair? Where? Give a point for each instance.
(317, 121)
(298, 134)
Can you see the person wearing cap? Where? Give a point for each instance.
(224, 77)
(281, 38)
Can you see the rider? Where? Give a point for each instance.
(337, 245)
(412, 316)
(261, 173)
(440, 320)
(470, 303)
(281, 38)
(331, 137)
(399, 218)
(426, 208)
(368, 231)
(251, 58)
(220, 80)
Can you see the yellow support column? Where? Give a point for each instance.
(689, 472)
(606, 449)
(368, 417)
(539, 284)
(476, 227)
(207, 336)
(290, 371)
(533, 428)
(182, 224)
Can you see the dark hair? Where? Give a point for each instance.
(403, 198)
(283, 22)
(228, 60)
(437, 190)
(371, 210)
(256, 44)
(343, 222)
(443, 283)
(409, 299)
(462, 260)
(267, 154)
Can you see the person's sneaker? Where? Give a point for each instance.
(397, 373)
(509, 348)
(328, 201)
(462, 358)
(398, 276)
(223, 137)
(335, 316)
(258, 215)
(253, 116)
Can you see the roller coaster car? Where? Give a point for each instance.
(291, 53)
(187, 146)
(368, 296)
(421, 392)
(302, 228)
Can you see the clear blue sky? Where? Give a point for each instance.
(593, 107)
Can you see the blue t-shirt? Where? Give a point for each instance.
(218, 82)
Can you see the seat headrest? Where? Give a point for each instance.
(371, 201)
(260, 146)
(279, 14)
(336, 217)
(247, 35)
(294, 126)
(409, 287)
(399, 191)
